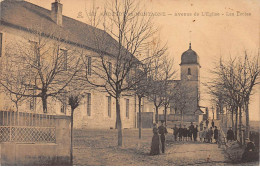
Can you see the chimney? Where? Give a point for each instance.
(56, 12)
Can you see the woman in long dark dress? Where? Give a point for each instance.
(155, 149)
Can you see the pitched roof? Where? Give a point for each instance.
(27, 16)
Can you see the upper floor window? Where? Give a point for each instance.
(33, 103)
(64, 58)
(63, 108)
(33, 46)
(109, 68)
(89, 63)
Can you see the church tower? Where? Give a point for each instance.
(190, 79)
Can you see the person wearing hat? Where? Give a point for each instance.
(216, 134)
(195, 133)
(230, 134)
(191, 128)
(162, 132)
(180, 132)
(175, 132)
(185, 132)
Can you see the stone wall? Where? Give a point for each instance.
(40, 153)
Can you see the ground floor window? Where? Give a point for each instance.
(109, 106)
(89, 104)
(127, 108)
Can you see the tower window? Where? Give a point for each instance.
(189, 72)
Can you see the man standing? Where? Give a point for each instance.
(210, 134)
(185, 133)
(201, 125)
(162, 132)
(212, 124)
(207, 123)
(230, 134)
(216, 134)
(175, 132)
(204, 134)
(180, 131)
(191, 128)
(195, 133)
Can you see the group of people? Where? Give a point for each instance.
(206, 134)
(185, 133)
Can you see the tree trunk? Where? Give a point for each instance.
(17, 108)
(236, 111)
(165, 113)
(240, 124)
(181, 118)
(156, 114)
(71, 137)
(232, 117)
(118, 121)
(44, 103)
(247, 119)
(140, 117)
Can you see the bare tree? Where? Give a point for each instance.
(157, 76)
(46, 63)
(14, 83)
(180, 97)
(247, 79)
(234, 83)
(168, 87)
(116, 59)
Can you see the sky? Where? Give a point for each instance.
(214, 27)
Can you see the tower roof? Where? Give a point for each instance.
(189, 57)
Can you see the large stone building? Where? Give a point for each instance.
(19, 22)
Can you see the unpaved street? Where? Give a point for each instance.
(98, 147)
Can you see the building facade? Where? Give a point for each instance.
(19, 22)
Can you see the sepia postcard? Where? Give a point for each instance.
(129, 82)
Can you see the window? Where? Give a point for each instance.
(63, 108)
(109, 106)
(189, 72)
(171, 110)
(1, 43)
(34, 51)
(32, 103)
(128, 76)
(89, 66)
(89, 104)
(109, 68)
(64, 56)
(142, 105)
(127, 108)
